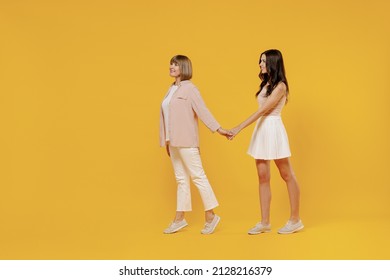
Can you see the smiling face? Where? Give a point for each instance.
(180, 68)
(174, 70)
(263, 66)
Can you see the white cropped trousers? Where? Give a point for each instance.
(187, 164)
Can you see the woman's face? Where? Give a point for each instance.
(174, 70)
(263, 66)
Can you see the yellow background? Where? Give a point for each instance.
(81, 83)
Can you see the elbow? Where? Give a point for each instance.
(259, 114)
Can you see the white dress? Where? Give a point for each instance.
(269, 139)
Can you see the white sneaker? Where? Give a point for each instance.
(210, 227)
(260, 228)
(291, 227)
(176, 226)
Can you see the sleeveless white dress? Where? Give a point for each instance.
(269, 139)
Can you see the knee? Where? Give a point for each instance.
(287, 175)
(198, 175)
(264, 177)
(181, 180)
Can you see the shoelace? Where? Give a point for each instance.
(207, 225)
(260, 225)
(172, 224)
(289, 225)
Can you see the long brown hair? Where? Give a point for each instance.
(275, 72)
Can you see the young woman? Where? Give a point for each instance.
(180, 110)
(270, 142)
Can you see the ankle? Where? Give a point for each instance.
(294, 220)
(179, 217)
(209, 216)
(265, 222)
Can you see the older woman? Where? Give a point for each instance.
(180, 110)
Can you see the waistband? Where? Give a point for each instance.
(271, 117)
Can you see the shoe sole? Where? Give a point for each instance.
(263, 231)
(170, 232)
(219, 218)
(295, 230)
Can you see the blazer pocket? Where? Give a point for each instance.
(181, 97)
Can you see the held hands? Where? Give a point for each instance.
(233, 132)
(225, 133)
(229, 134)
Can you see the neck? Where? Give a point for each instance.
(177, 81)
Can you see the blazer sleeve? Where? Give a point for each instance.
(202, 112)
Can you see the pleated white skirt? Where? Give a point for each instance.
(269, 139)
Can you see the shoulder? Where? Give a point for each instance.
(189, 87)
(281, 86)
(280, 89)
(186, 83)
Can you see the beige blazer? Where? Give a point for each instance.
(185, 108)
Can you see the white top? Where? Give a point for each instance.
(165, 109)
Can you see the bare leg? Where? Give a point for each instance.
(263, 172)
(287, 174)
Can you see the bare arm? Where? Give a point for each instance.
(272, 100)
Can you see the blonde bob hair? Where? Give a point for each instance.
(185, 66)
